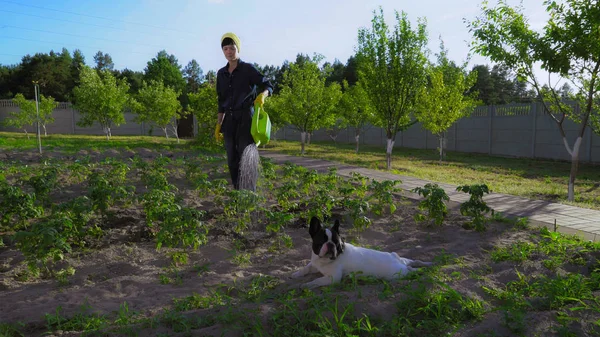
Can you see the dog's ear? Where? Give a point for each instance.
(315, 226)
(336, 226)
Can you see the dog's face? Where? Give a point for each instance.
(326, 242)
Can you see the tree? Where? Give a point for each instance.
(158, 104)
(133, 78)
(305, 102)
(7, 75)
(443, 101)
(356, 109)
(193, 75)
(28, 114)
(77, 62)
(335, 73)
(568, 47)
(204, 105)
(350, 71)
(391, 67)
(103, 61)
(165, 68)
(101, 98)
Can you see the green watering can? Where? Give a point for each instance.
(261, 126)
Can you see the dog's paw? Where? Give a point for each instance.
(297, 274)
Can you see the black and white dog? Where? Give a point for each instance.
(334, 258)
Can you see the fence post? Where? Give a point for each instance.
(73, 119)
(534, 107)
(456, 134)
(589, 144)
(492, 111)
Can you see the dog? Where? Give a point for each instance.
(334, 258)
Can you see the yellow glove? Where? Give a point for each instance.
(218, 134)
(260, 100)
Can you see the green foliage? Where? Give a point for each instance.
(11, 330)
(203, 104)
(443, 101)
(106, 188)
(382, 194)
(305, 101)
(434, 202)
(566, 47)
(475, 207)
(166, 69)
(84, 320)
(45, 241)
(174, 225)
(100, 98)
(27, 116)
(45, 182)
(356, 109)
(158, 104)
(434, 311)
(391, 68)
(16, 206)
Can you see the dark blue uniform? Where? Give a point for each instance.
(236, 92)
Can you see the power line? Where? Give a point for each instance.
(65, 44)
(81, 36)
(10, 55)
(77, 22)
(96, 17)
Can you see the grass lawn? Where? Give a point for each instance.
(530, 178)
(74, 143)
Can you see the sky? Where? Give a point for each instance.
(271, 31)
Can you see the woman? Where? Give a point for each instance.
(239, 86)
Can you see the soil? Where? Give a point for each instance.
(124, 266)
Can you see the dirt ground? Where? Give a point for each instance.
(126, 267)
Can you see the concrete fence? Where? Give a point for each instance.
(66, 118)
(514, 130)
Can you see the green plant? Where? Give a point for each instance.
(62, 276)
(105, 188)
(382, 194)
(434, 202)
(46, 240)
(174, 225)
(516, 252)
(475, 207)
(11, 329)
(358, 210)
(17, 207)
(242, 204)
(45, 182)
(514, 320)
(277, 220)
(84, 320)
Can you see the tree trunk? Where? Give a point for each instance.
(442, 139)
(176, 134)
(302, 141)
(308, 135)
(574, 168)
(388, 153)
(26, 133)
(45, 131)
(356, 139)
(166, 132)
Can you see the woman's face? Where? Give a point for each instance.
(230, 52)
